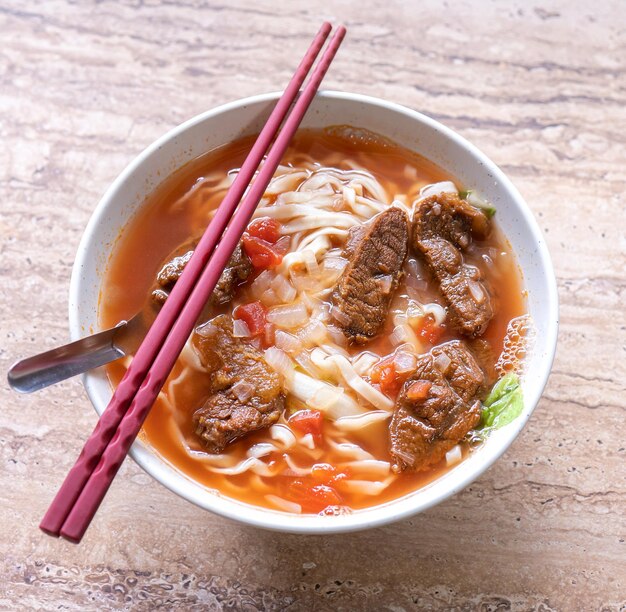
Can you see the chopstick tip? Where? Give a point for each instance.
(340, 34)
(50, 532)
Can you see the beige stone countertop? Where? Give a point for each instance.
(539, 86)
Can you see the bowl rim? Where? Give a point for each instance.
(377, 515)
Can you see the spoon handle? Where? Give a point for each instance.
(63, 362)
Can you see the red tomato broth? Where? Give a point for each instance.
(159, 227)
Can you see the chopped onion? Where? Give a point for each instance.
(261, 283)
(288, 317)
(478, 293)
(337, 336)
(334, 253)
(410, 172)
(322, 312)
(494, 253)
(241, 329)
(437, 188)
(315, 306)
(384, 282)
(442, 362)
(339, 316)
(478, 202)
(287, 342)
(269, 298)
(279, 361)
(243, 390)
(404, 362)
(207, 330)
(256, 343)
(404, 334)
(454, 456)
(414, 311)
(335, 263)
(283, 504)
(283, 289)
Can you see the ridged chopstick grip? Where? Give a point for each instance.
(110, 419)
(96, 487)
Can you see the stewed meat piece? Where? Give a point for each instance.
(436, 407)
(246, 394)
(443, 226)
(376, 252)
(238, 269)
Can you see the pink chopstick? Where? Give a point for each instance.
(98, 481)
(110, 419)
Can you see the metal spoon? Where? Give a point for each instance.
(63, 362)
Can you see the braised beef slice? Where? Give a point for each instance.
(485, 358)
(424, 430)
(443, 226)
(376, 252)
(224, 417)
(238, 269)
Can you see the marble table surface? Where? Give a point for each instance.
(539, 86)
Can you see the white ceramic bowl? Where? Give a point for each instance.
(406, 127)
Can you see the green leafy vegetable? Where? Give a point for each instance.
(504, 404)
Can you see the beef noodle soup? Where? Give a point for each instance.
(364, 338)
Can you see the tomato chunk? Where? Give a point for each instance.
(324, 473)
(254, 316)
(378, 370)
(385, 375)
(266, 228)
(262, 254)
(312, 498)
(418, 390)
(263, 244)
(307, 421)
(427, 329)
